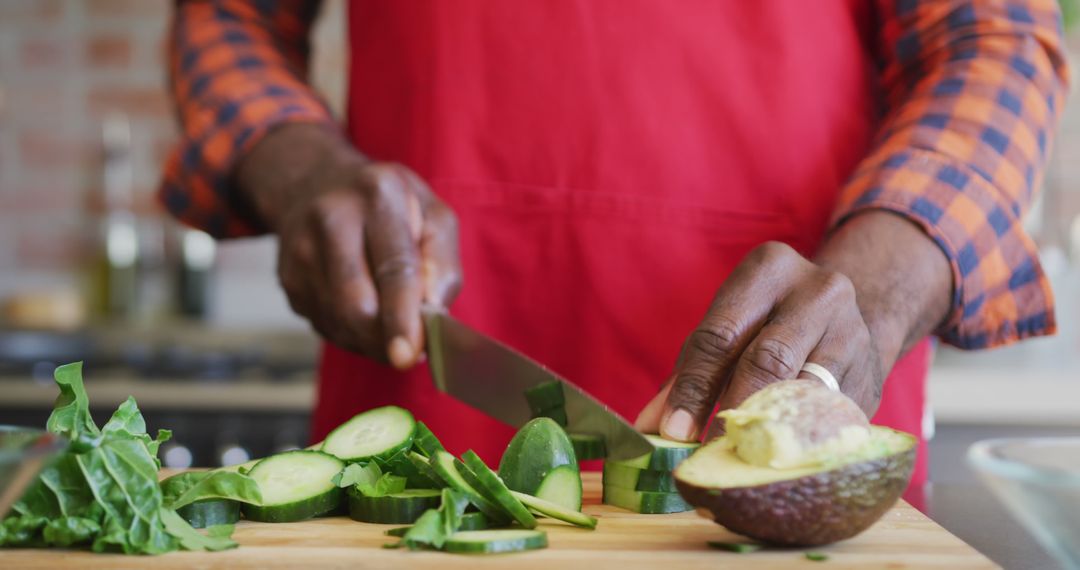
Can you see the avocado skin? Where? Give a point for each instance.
(811, 510)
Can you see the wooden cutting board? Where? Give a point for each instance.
(903, 538)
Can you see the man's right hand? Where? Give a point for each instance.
(362, 244)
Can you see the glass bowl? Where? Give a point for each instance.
(24, 452)
(1038, 479)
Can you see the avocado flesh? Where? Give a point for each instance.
(802, 506)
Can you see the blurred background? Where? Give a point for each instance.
(199, 332)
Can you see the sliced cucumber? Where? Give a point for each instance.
(444, 466)
(416, 477)
(555, 511)
(537, 448)
(562, 486)
(557, 414)
(666, 456)
(588, 446)
(546, 396)
(469, 521)
(425, 442)
(295, 485)
(645, 502)
(494, 489)
(376, 433)
(423, 465)
(399, 508)
(210, 512)
(495, 541)
(616, 475)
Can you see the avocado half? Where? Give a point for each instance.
(804, 506)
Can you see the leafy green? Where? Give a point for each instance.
(104, 492)
(356, 473)
(192, 486)
(216, 537)
(400, 464)
(436, 525)
(817, 556)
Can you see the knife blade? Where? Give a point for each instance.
(492, 377)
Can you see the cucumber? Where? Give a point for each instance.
(645, 502)
(377, 433)
(537, 448)
(562, 486)
(495, 490)
(399, 508)
(588, 446)
(616, 475)
(423, 465)
(557, 414)
(210, 512)
(416, 477)
(555, 511)
(469, 521)
(666, 456)
(425, 442)
(495, 541)
(444, 466)
(545, 396)
(295, 485)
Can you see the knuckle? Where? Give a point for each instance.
(716, 338)
(396, 268)
(773, 251)
(837, 286)
(771, 358)
(691, 390)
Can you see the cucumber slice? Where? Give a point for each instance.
(295, 485)
(376, 433)
(588, 446)
(557, 414)
(562, 486)
(666, 456)
(210, 512)
(645, 502)
(416, 477)
(494, 541)
(425, 442)
(469, 521)
(555, 511)
(443, 465)
(546, 396)
(495, 490)
(423, 465)
(537, 448)
(616, 475)
(399, 508)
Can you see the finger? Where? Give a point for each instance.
(648, 421)
(395, 264)
(350, 299)
(737, 312)
(781, 347)
(440, 257)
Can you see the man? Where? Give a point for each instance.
(840, 178)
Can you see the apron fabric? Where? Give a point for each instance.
(610, 162)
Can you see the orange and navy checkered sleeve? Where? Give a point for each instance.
(972, 92)
(237, 70)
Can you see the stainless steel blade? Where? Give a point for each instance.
(492, 377)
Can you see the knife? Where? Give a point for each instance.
(492, 377)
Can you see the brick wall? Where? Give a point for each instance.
(65, 65)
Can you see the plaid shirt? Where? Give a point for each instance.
(971, 89)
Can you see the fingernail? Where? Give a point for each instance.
(679, 426)
(401, 352)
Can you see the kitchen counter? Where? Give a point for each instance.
(903, 538)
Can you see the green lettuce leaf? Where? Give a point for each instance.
(70, 531)
(186, 488)
(216, 538)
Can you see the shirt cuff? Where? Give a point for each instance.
(1000, 293)
(198, 184)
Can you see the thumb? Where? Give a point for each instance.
(699, 380)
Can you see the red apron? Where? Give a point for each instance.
(610, 162)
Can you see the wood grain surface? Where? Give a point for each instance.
(903, 538)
